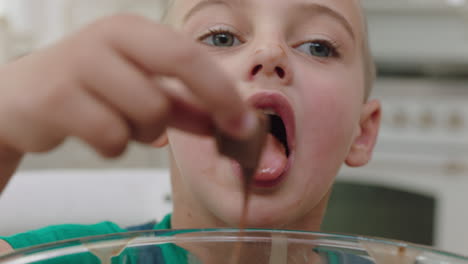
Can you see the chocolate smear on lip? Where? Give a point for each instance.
(247, 153)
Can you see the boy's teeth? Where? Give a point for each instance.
(269, 111)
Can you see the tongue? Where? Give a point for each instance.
(273, 162)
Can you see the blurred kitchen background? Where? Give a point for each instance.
(415, 189)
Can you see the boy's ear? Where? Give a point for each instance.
(361, 149)
(161, 142)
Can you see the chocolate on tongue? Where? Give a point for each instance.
(246, 152)
(273, 162)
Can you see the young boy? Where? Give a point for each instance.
(305, 63)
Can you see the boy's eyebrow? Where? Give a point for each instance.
(203, 4)
(315, 8)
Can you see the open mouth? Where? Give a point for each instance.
(280, 113)
(278, 130)
(277, 156)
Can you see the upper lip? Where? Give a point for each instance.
(281, 106)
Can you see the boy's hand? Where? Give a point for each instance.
(99, 85)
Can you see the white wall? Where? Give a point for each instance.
(127, 197)
(41, 22)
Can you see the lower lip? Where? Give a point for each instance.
(257, 184)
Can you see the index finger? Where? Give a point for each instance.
(160, 50)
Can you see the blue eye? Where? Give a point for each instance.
(220, 39)
(318, 49)
(223, 40)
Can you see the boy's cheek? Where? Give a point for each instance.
(323, 95)
(327, 116)
(345, 81)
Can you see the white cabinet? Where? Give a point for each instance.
(427, 36)
(423, 149)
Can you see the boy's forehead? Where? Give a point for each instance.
(349, 9)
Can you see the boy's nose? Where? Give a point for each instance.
(271, 61)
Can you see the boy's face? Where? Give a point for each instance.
(302, 60)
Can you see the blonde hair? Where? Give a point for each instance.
(369, 67)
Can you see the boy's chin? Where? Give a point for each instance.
(272, 219)
(266, 222)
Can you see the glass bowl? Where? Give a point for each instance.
(231, 246)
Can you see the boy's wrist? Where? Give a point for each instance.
(9, 161)
(8, 153)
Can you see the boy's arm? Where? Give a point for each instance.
(99, 85)
(5, 247)
(9, 161)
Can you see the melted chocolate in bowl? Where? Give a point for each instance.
(216, 246)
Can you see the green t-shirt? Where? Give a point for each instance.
(60, 232)
(167, 253)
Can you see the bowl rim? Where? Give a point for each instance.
(164, 236)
